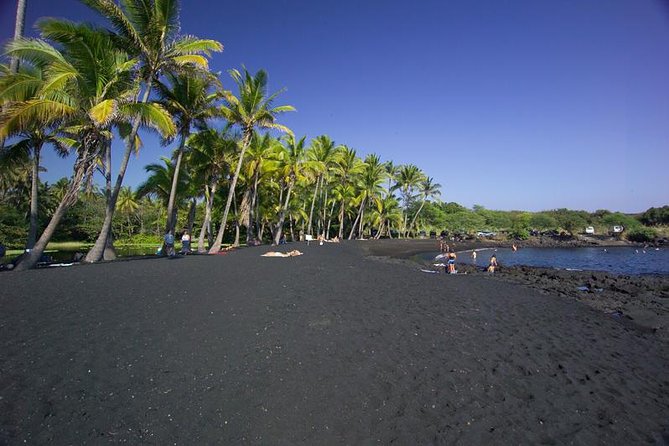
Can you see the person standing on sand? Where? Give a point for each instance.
(451, 262)
(185, 242)
(493, 264)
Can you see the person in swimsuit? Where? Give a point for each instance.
(493, 264)
(451, 262)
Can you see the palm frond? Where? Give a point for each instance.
(151, 115)
(193, 45)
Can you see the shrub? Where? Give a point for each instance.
(641, 234)
(140, 239)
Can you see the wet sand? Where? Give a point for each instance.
(332, 347)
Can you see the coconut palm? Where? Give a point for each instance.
(159, 182)
(210, 156)
(428, 189)
(252, 108)
(127, 205)
(347, 165)
(290, 160)
(408, 178)
(259, 163)
(148, 30)
(320, 158)
(371, 179)
(22, 86)
(386, 214)
(88, 87)
(188, 96)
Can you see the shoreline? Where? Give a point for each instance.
(640, 301)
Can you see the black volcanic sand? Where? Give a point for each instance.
(640, 302)
(328, 348)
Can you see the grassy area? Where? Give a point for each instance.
(56, 246)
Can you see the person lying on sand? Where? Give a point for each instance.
(292, 253)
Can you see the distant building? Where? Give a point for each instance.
(617, 229)
(590, 230)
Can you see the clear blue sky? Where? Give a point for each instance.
(519, 104)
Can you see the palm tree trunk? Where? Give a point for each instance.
(97, 251)
(282, 215)
(341, 220)
(34, 189)
(417, 212)
(169, 225)
(362, 204)
(327, 233)
(252, 208)
(236, 212)
(209, 197)
(82, 169)
(18, 30)
(313, 202)
(362, 224)
(191, 214)
(109, 252)
(219, 236)
(325, 204)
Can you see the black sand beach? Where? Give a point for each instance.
(331, 347)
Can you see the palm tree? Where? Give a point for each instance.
(259, 163)
(210, 156)
(370, 188)
(127, 205)
(159, 182)
(346, 166)
(391, 171)
(386, 213)
(190, 101)
(321, 156)
(428, 189)
(250, 109)
(409, 177)
(22, 86)
(88, 87)
(291, 161)
(149, 31)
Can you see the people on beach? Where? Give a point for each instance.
(493, 264)
(292, 253)
(185, 242)
(169, 243)
(451, 262)
(474, 256)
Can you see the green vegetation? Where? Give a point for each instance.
(79, 87)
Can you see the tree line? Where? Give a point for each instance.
(79, 86)
(235, 173)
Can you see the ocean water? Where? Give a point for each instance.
(619, 260)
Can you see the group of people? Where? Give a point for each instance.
(451, 256)
(169, 243)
